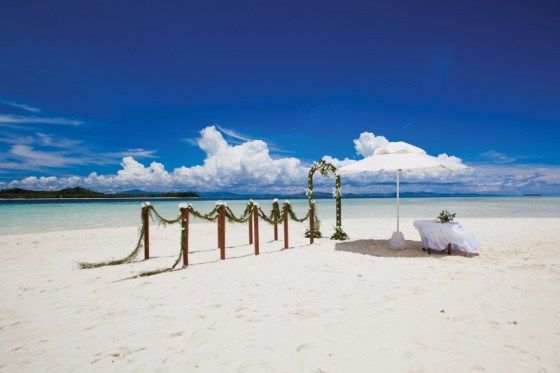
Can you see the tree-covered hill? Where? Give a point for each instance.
(85, 193)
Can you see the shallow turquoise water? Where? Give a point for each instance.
(26, 216)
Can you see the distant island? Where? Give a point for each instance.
(18, 193)
(77, 193)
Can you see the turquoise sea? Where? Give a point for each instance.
(47, 215)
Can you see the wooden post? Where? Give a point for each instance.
(312, 223)
(251, 205)
(185, 236)
(256, 219)
(275, 210)
(286, 217)
(146, 223)
(219, 226)
(222, 233)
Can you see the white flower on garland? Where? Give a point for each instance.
(146, 204)
(221, 203)
(286, 202)
(308, 192)
(337, 193)
(275, 200)
(184, 205)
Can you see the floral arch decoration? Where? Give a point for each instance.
(326, 169)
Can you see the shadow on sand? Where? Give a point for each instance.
(380, 248)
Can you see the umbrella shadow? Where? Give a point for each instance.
(380, 248)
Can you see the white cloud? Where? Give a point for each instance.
(109, 157)
(58, 142)
(39, 183)
(249, 168)
(367, 143)
(10, 138)
(28, 108)
(244, 168)
(247, 165)
(28, 155)
(27, 150)
(33, 152)
(21, 119)
(234, 134)
(493, 156)
(211, 141)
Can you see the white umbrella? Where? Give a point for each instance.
(396, 157)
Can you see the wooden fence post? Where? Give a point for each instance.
(286, 217)
(222, 232)
(250, 223)
(219, 226)
(185, 236)
(146, 223)
(256, 219)
(312, 223)
(275, 210)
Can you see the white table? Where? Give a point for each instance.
(441, 236)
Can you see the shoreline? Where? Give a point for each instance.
(266, 197)
(332, 306)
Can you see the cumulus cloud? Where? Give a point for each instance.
(367, 143)
(211, 141)
(248, 167)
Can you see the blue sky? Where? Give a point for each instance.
(243, 96)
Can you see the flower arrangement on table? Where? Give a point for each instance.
(445, 216)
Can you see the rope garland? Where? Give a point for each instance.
(212, 216)
(128, 259)
(162, 270)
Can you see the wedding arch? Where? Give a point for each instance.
(326, 169)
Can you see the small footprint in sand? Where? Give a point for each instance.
(478, 368)
(302, 347)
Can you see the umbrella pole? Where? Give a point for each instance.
(398, 199)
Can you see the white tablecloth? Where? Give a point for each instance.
(437, 236)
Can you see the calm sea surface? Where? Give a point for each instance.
(39, 216)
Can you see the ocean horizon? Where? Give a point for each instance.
(28, 216)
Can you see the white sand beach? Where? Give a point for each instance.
(352, 306)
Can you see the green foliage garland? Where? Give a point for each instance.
(163, 270)
(161, 220)
(128, 259)
(339, 234)
(326, 168)
(275, 216)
